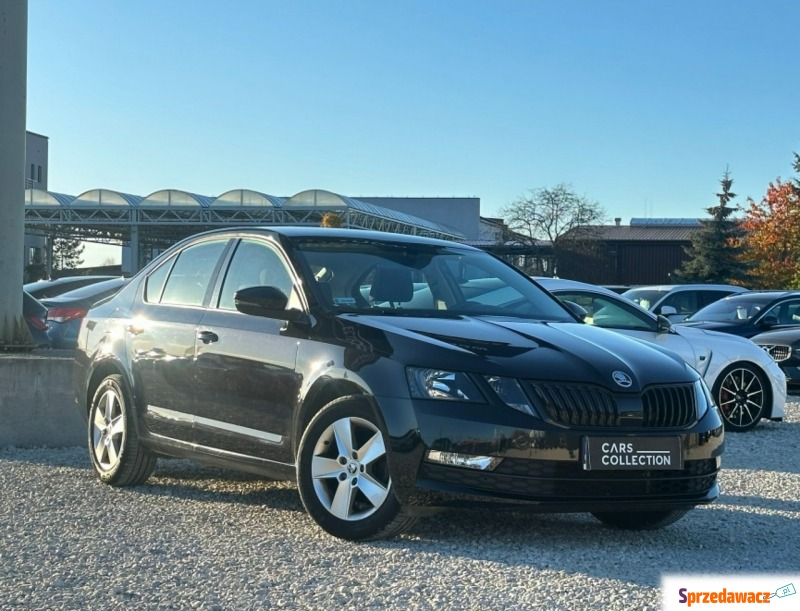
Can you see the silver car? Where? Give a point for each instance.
(679, 301)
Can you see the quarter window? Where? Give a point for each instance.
(155, 282)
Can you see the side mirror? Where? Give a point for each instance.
(667, 310)
(266, 301)
(768, 321)
(576, 310)
(663, 324)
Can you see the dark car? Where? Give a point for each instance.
(35, 315)
(679, 301)
(751, 313)
(783, 346)
(43, 289)
(65, 312)
(388, 374)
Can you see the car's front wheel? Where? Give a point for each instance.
(742, 397)
(117, 455)
(343, 474)
(640, 520)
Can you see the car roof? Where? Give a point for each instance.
(299, 231)
(672, 287)
(760, 295)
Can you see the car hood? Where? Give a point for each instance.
(730, 327)
(724, 346)
(786, 337)
(517, 348)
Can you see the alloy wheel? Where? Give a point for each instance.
(349, 469)
(108, 430)
(741, 399)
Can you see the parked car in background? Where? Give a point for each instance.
(42, 289)
(750, 313)
(388, 374)
(679, 301)
(783, 345)
(35, 315)
(747, 385)
(65, 312)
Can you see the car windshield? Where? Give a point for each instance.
(645, 297)
(733, 310)
(371, 276)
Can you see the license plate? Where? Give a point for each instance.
(632, 453)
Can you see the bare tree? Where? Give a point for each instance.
(548, 214)
(557, 215)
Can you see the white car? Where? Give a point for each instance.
(746, 383)
(679, 301)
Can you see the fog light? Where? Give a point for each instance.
(470, 461)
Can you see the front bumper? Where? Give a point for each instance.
(542, 464)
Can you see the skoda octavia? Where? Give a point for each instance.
(388, 375)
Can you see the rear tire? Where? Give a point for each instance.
(343, 474)
(640, 520)
(118, 457)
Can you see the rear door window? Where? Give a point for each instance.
(191, 274)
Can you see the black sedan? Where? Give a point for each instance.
(783, 346)
(748, 314)
(388, 374)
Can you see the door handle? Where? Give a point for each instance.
(207, 337)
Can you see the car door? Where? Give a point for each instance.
(162, 334)
(245, 370)
(684, 303)
(785, 313)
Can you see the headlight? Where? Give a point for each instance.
(510, 393)
(441, 384)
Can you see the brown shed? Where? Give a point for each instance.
(647, 251)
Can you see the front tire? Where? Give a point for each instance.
(343, 474)
(742, 397)
(118, 457)
(640, 520)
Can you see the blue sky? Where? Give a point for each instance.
(639, 105)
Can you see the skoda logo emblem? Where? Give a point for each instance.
(622, 379)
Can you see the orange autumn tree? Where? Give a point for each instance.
(331, 219)
(773, 237)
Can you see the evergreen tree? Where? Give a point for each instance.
(715, 251)
(67, 253)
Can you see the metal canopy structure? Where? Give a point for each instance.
(152, 223)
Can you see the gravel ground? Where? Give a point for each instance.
(197, 538)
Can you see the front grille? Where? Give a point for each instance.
(585, 405)
(567, 480)
(669, 406)
(577, 404)
(778, 353)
